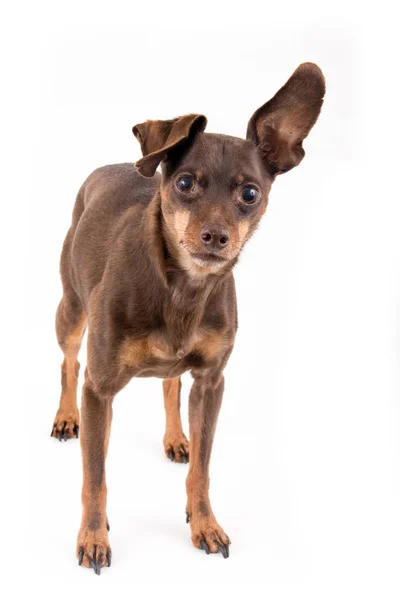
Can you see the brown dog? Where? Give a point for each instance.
(147, 263)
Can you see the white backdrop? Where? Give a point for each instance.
(305, 467)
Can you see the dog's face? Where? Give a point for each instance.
(214, 187)
(212, 200)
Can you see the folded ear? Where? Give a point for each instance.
(279, 127)
(158, 138)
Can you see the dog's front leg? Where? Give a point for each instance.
(93, 549)
(204, 404)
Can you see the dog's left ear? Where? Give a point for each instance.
(158, 138)
(279, 127)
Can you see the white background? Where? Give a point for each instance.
(305, 467)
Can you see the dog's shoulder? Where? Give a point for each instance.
(121, 182)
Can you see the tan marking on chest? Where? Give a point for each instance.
(210, 344)
(136, 352)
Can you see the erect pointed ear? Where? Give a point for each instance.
(279, 127)
(158, 138)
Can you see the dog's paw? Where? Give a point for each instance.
(177, 448)
(209, 536)
(66, 425)
(93, 550)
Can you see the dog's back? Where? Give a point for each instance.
(109, 198)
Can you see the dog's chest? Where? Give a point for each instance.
(184, 341)
(156, 355)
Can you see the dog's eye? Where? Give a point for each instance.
(249, 194)
(185, 183)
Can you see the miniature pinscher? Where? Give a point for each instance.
(147, 265)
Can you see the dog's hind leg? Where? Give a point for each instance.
(70, 327)
(176, 445)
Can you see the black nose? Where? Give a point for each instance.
(215, 238)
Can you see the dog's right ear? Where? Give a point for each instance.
(158, 138)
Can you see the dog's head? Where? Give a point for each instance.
(215, 187)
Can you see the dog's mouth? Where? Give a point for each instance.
(209, 260)
(207, 257)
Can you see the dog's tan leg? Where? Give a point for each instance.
(93, 549)
(176, 445)
(70, 327)
(204, 404)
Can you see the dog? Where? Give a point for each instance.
(147, 265)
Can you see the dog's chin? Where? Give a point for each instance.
(202, 263)
(210, 261)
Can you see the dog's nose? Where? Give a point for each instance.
(214, 238)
